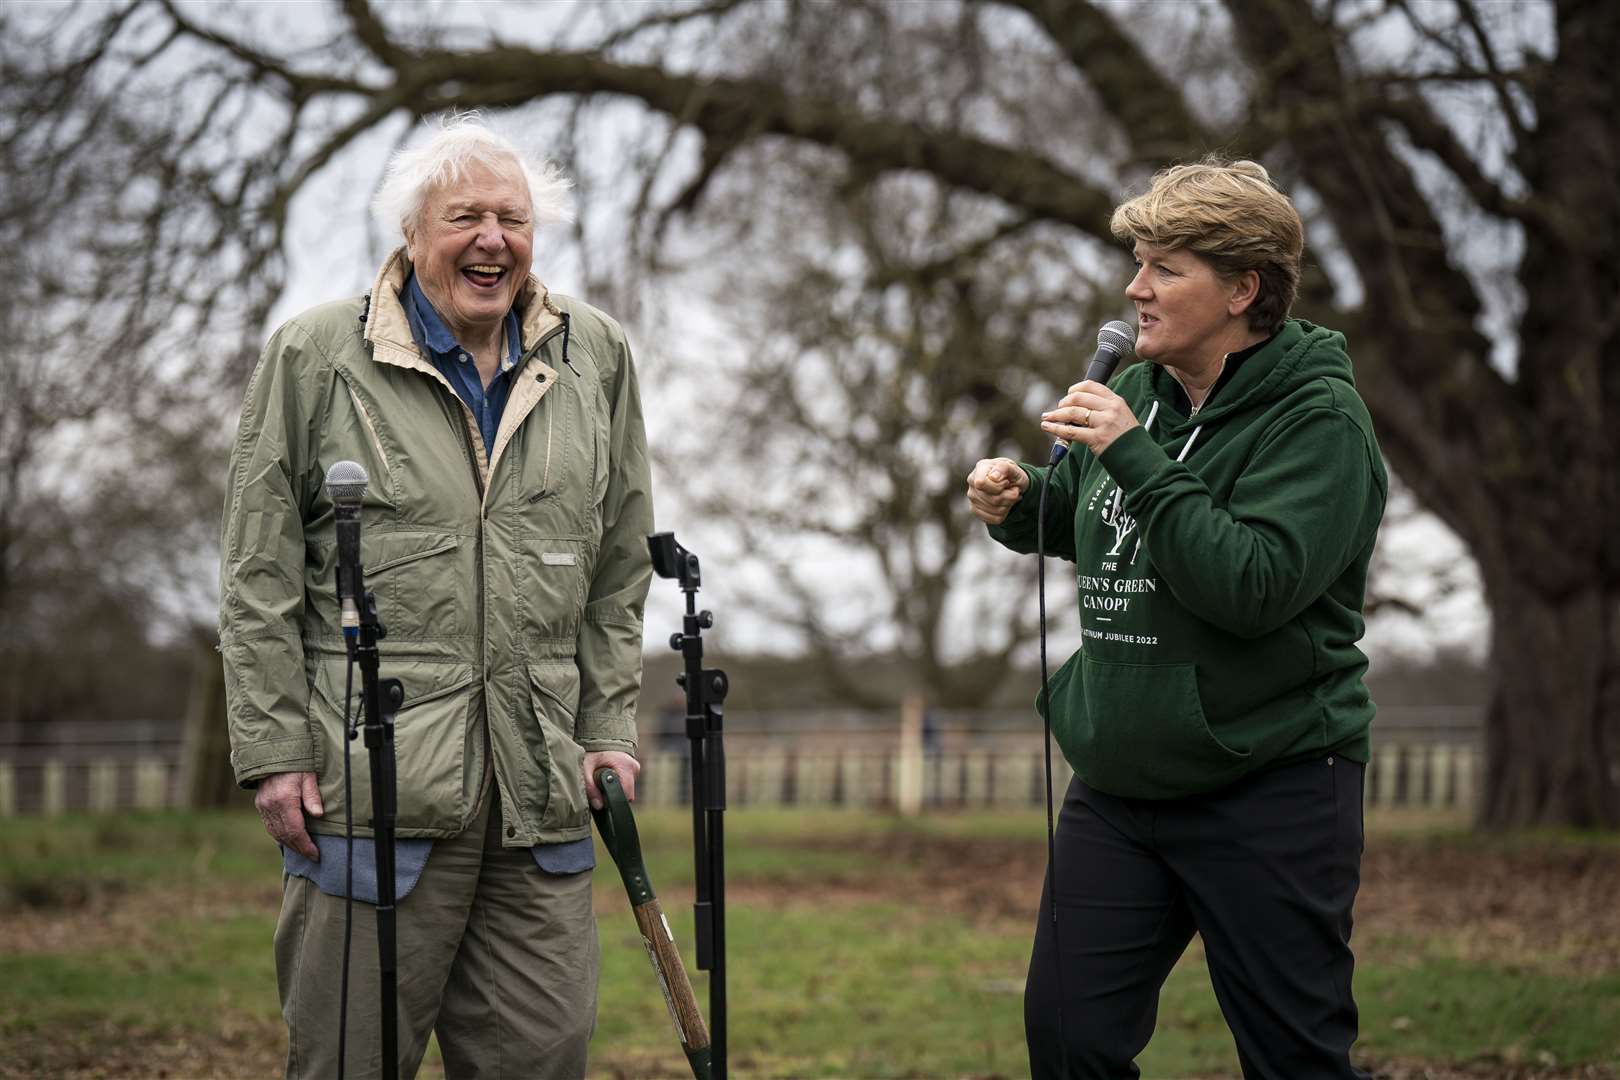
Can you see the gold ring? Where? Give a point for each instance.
(1087, 421)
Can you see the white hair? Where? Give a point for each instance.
(461, 141)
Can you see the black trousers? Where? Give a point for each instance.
(1265, 871)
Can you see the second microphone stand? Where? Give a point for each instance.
(705, 699)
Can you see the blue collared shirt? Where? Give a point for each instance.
(456, 364)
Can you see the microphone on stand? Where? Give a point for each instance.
(1114, 340)
(346, 487)
(380, 698)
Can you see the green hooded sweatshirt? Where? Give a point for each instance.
(1221, 561)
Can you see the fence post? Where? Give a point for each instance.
(1442, 792)
(54, 800)
(1468, 779)
(771, 778)
(151, 784)
(104, 786)
(976, 777)
(909, 769)
(1389, 767)
(8, 789)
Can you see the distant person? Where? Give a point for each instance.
(504, 535)
(671, 734)
(933, 749)
(1220, 506)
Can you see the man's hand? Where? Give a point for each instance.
(282, 801)
(993, 486)
(621, 763)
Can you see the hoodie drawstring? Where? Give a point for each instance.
(1147, 425)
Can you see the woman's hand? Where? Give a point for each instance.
(993, 486)
(1091, 415)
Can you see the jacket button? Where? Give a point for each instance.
(1330, 759)
(510, 831)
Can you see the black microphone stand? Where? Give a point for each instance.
(381, 699)
(705, 697)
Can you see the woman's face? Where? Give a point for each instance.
(1187, 316)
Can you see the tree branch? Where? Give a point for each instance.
(298, 84)
(1428, 132)
(1150, 109)
(370, 32)
(1488, 68)
(665, 20)
(738, 110)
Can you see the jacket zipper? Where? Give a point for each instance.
(483, 514)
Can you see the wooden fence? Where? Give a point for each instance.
(1422, 757)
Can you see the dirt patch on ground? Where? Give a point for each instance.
(1551, 907)
(1494, 1070)
(106, 918)
(984, 882)
(232, 1050)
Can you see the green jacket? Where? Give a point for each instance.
(1221, 595)
(511, 588)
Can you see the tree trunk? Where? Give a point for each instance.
(1552, 731)
(206, 779)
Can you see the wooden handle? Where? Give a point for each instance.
(671, 972)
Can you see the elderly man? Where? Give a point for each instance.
(504, 529)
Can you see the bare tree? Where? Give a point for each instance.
(1408, 131)
(119, 327)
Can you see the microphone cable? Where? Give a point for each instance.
(1058, 451)
(1114, 340)
(348, 858)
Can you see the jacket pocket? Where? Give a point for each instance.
(551, 594)
(554, 691)
(429, 745)
(418, 579)
(1139, 730)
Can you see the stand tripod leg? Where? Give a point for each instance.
(717, 892)
(702, 908)
(380, 743)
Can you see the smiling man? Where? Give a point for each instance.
(504, 526)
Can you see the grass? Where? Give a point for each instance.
(859, 946)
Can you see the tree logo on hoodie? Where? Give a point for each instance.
(1114, 516)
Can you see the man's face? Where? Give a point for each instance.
(472, 248)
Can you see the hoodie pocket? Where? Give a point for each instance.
(1139, 730)
(554, 689)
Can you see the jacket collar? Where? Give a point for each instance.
(389, 331)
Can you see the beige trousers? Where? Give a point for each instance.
(497, 957)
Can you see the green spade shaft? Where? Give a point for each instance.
(618, 828)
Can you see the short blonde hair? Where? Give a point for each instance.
(457, 143)
(1230, 213)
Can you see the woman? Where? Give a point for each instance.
(1221, 525)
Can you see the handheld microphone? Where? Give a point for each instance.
(1114, 340)
(346, 486)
